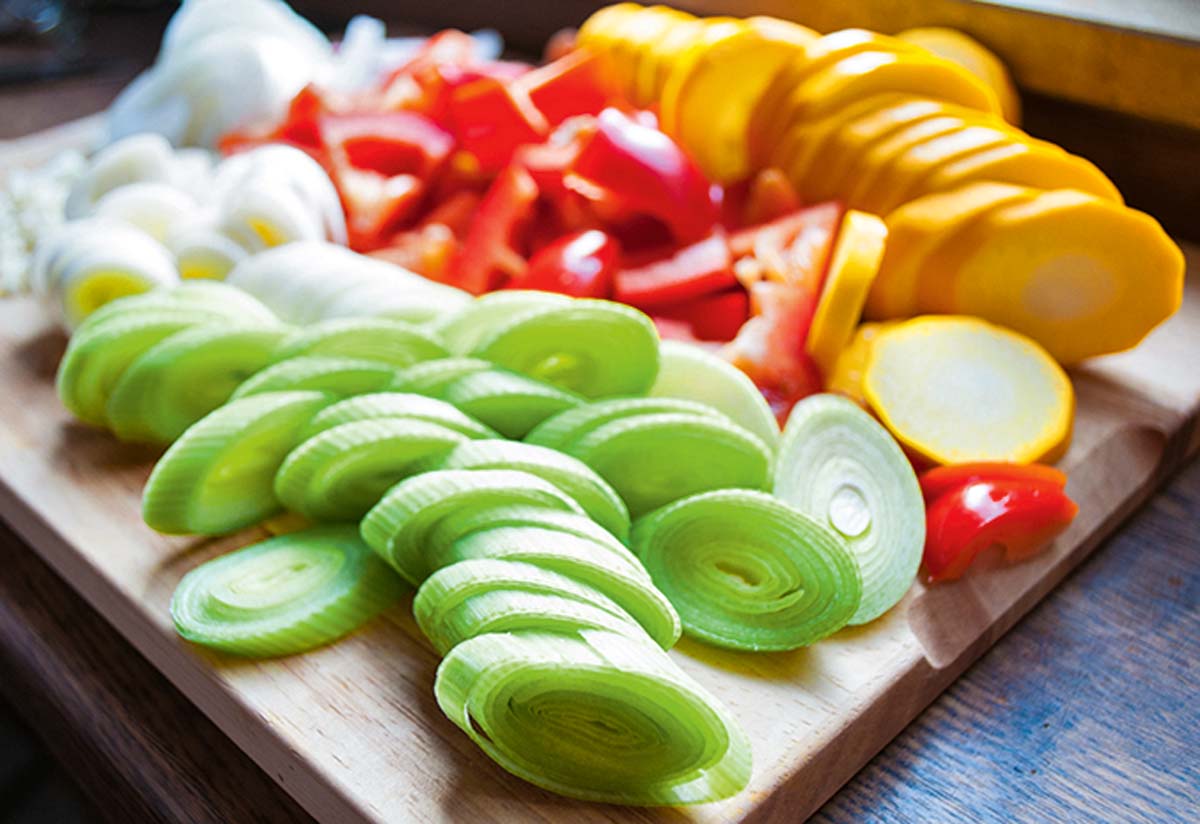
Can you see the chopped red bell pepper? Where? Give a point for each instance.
(375, 205)
(1018, 507)
(490, 255)
(579, 264)
(796, 246)
(771, 197)
(570, 86)
(455, 212)
(693, 271)
(716, 317)
(492, 119)
(390, 143)
(428, 250)
(644, 172)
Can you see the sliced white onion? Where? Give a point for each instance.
(141, 158)
(203, 252)
(155, 208)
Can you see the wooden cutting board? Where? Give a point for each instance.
(352, 731)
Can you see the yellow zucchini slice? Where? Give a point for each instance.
(846, 377)
(1081, 275)
(915, 232)
(973, 56)
(958, 389)
(853, 265)
(1024, 162)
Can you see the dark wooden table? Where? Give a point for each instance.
(1086, 711)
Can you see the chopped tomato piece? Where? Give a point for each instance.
(490, 253)
(693, 271)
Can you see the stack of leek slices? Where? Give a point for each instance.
(567, 493)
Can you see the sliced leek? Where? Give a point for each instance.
(285, 595)
(398, 405)
(510, 403)
(379, 339)
(432, 377)
(747, 571)
(567, 428)
(463, 330)
(337, 376)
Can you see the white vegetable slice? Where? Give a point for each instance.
(155, 208)
(140, 158)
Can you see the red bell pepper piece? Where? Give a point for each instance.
(490, 253)
(795, 246)
(1020, 508)
(427, 250)
(375, 205)
(716, 317)
(693, 271)
(491, 120)
(579, 264)
(771, 197)
(644, 172)
(456, 213)
(389, 143)
(569, 86)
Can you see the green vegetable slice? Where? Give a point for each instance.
(432, 377)
(837, 464)
(285, 595)
(596, 716)
(210, 298)
(378, 339)
(341, 473)
(337, 376)
(99, 354)
(689, 372)
(511, 404)
(463, 330)
(582, 560)
(652, 460)
(747, 571)
(566, 428)
(398, 405)
(594, 347)
(400, 525)
(219, 476)
(570, 475)
(477, 597)
(182, 378)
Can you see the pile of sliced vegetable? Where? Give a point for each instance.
(544, 386)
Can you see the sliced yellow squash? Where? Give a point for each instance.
(853, 265)
(958, 389)
(973, 56)
(846, 377)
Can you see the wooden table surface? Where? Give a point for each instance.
(1084, 712)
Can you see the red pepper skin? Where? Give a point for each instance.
(491, 120)
(1022, 515)
(939, 480)
(580, 264)
(691, 272)
(375, 205)
(389, 143)
(490, 253)
(570, 86)
(802, 239)
(646, 173)
(716, 317)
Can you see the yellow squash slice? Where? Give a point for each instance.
(973, 56)
(848, 372)
(958, 389)
(852, 267)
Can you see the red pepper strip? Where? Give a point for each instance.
(713, 317)
(489, 255)
(389, 143)
(427, 250)
(795, 247)
(1022, 515)
(456, 213)
(580, 264)
(299, 127)
(942, 479)
(491, 120)
(548, 162)
(647, 173)
(690, 272)
(571, 85)
(375, 205)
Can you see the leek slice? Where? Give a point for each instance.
(463, 330)
(594, 347)
(652, 460)
(285, 595)
(379, 339)
(582, 560)
(341, 473)
(595, 716)
(570, 475)
(747, 571)
(432, 377)
(99, 354)
(690, 373)
(337, 376)
(182, 378)
(511, 404)
(566, 428)
(400, 525)
(473, 598)
(219, 300)
(837, 464)
(398, 405)
(220, 475)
